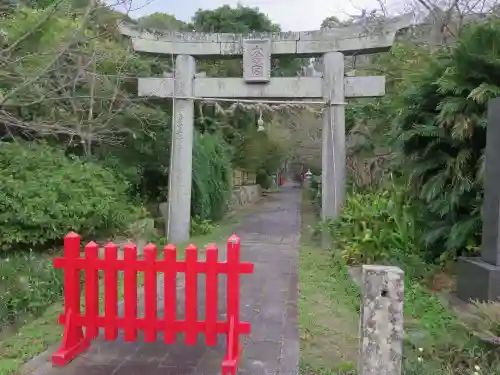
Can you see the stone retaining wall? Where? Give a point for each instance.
(242, 195)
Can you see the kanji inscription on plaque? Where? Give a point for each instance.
(257, 60)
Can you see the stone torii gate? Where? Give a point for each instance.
(257, 49)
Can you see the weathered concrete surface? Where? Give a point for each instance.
(242, 195)
(381, 346)
(278, 87)
(274, 236)
(333, 176)
(370, 38)
(257, 60)
(181, 154)
(270, 239)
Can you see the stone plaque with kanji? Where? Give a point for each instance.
(257, 60)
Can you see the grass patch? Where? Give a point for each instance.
(328, 308)
(39, 333)
(328, 319)
(28, 284)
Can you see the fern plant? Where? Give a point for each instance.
(442, 135)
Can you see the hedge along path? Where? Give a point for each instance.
(270, 239)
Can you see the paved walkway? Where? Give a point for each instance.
(270, 239)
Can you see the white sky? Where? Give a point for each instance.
(292, 15)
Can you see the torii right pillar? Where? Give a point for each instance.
(333, 178)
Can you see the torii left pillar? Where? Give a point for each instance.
(181, 157)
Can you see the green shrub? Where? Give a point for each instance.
(441, 132)
(201, 227)
(28, 284)
(265, 181)
(376, 225)
(315, 193)
(44, 194)
(212, 176)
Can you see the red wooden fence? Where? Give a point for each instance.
(75, 340)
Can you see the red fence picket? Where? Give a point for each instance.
(75, 341)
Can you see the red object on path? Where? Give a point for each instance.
(280, 179)
(75, 341)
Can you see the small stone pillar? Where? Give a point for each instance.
(381, 339)
(479, 277)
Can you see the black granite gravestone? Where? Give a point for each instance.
(479, 277)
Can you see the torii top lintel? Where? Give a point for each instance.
(356, 39)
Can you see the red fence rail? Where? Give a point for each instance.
(75, 340)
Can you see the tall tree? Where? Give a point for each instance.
(244, 20)
(330, 22)
(226, 19)
(162, 21)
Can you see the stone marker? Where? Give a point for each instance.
(257, 60)
(479, 277)
(257, 50)
(381, 338)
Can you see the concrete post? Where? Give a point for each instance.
(381, 321)
(181, 162)
(334, 154)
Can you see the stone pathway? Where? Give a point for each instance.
(270, 239)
